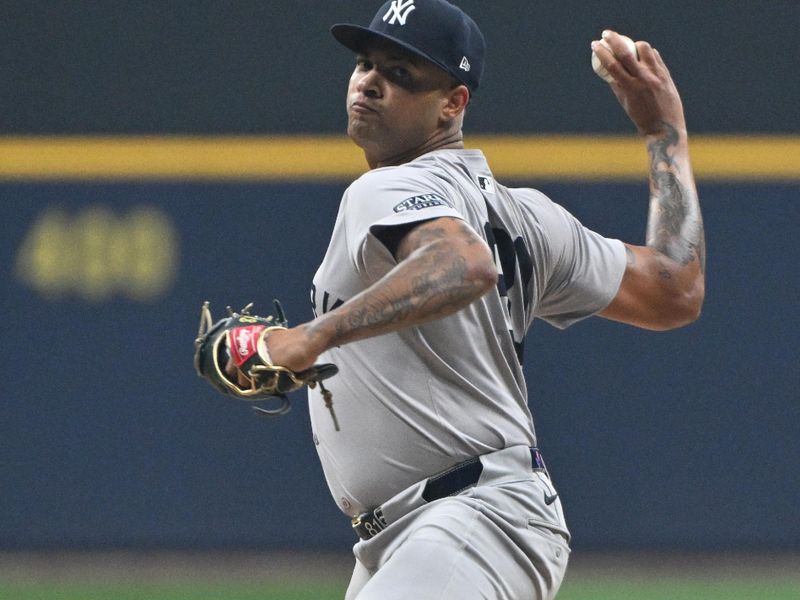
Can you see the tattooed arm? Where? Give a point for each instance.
(664, 281)
(443, 266)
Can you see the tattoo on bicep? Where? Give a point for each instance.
(675, 226)
(418, 237)
(470, 237)
(437, 289)
(442, 281)
(425, 235)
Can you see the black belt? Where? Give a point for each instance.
(453, 481)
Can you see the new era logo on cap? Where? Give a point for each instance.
(399, 11)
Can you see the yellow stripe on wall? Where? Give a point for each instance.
(291, 158)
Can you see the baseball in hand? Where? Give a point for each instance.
(600, 69)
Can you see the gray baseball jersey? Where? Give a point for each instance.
(415, 402)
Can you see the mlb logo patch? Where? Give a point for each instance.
(486, 184)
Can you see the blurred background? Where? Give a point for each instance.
(155, 155)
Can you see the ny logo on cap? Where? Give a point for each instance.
(399, 11)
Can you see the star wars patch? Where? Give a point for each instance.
(420, 202)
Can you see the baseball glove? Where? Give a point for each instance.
(242, 337)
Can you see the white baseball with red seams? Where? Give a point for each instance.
(600, 69)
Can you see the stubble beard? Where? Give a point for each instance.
(381, 145)
(369, 137)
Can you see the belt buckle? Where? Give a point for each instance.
(369, 524)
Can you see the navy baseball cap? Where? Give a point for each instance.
(433, 29)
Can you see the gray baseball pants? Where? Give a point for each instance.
(499, 540)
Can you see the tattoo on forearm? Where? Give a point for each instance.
(675, 226)
(441, 282)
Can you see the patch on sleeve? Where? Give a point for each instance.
(420, 202)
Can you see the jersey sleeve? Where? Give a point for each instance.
(386, 198)
(586, 270)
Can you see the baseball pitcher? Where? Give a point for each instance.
(433, 275)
